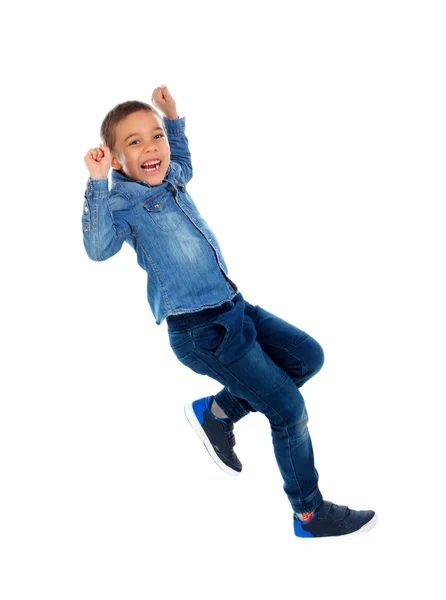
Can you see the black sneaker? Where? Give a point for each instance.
(216, 434)
(332, 520)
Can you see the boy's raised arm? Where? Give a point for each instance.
(103, 237)
(101, 240)
(179, 145)
(175, 128)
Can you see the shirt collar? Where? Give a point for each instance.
(172, 176)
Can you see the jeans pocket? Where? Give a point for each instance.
(210, 337)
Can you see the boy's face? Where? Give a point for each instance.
(149, 143)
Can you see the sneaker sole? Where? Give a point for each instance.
(194, 422)
(366, 527)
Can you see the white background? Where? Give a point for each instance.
(317, 133)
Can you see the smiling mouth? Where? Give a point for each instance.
(151, 166)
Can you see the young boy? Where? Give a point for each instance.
(260, 359)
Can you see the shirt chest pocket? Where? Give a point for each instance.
(164, 212)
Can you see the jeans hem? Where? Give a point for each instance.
(310, 504)
(233, 409)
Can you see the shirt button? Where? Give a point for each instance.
(85, 208)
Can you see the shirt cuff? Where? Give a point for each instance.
(95, 185)
(175, 125)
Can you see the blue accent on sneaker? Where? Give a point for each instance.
(216, 434)
(334, 520)
(199, 406)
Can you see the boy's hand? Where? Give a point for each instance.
(162, 99)
(98, 161)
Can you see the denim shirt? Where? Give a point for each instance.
(186, 271)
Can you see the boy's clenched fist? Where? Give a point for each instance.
(98, 161)
(162, 99)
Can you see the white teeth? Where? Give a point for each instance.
(152, 162)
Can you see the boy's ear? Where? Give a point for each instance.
(115, 163)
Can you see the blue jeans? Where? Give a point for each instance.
(262, 361)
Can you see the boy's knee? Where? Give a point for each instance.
(317, 358)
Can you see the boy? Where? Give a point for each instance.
(260, 359)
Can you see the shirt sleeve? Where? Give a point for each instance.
(179, 145)
(102, 237)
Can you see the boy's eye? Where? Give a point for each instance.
(158, 134)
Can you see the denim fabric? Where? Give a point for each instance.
(262, 361)
(186, 271)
